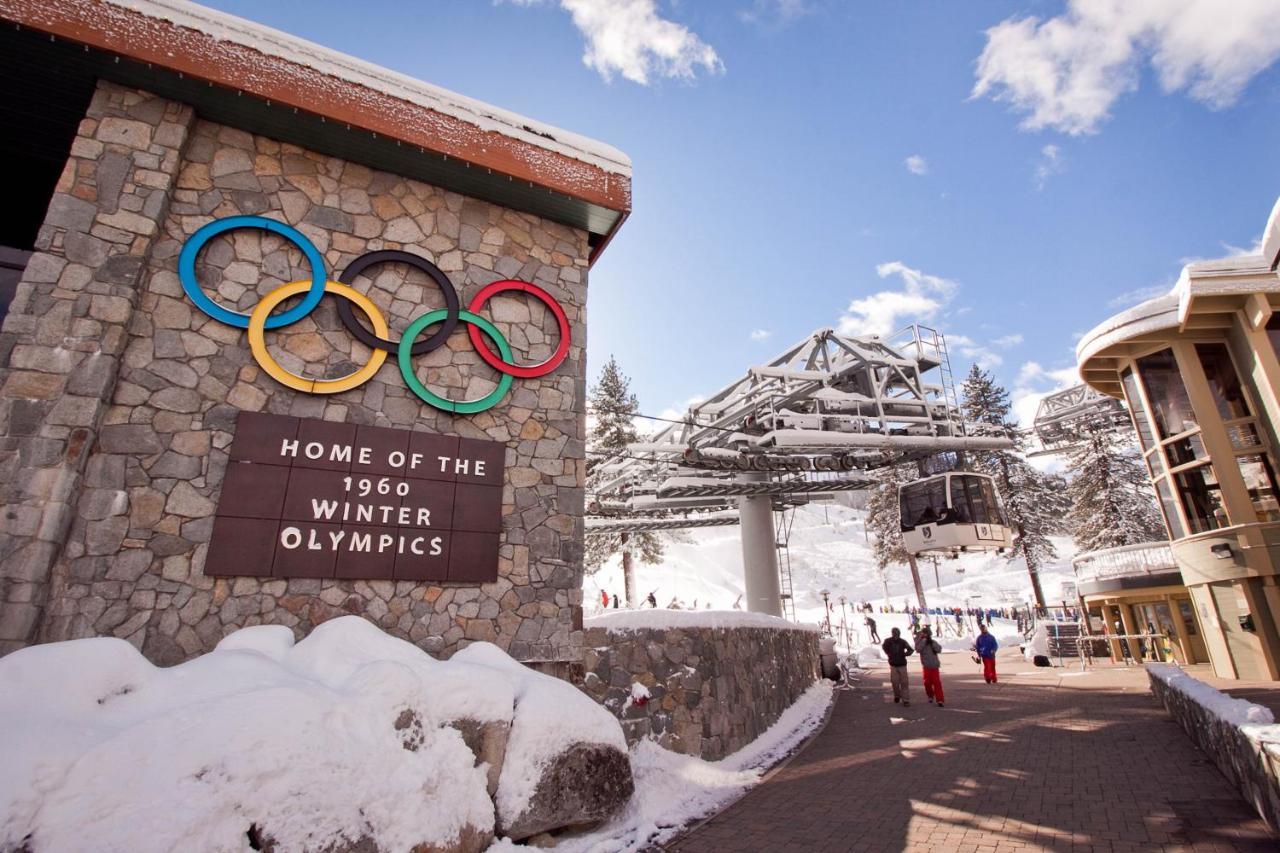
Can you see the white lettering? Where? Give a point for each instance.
(365, 456)
(313, 541)
(416, 545)
(313, 450)
(364, 512)
(444, 463)
(323, 509)
(385, 541)
(361, 541)
(336, 537)
(415, 459)
(461, 466)
(289, 447)
(435, 546)
(424, 517)
(386, 513)
(395, 459)
(402, 517)
(291, 537)
(340, 453)
(479, 467)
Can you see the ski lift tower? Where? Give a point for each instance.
(815, 421)
(1063, 418)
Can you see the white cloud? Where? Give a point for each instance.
(775, 13)
(761, 334)
(1139, 294)
(1008, 340)
(1050, 164)
(1237, 251)
(630, 38)
(922, 297)
(917, 165)
(973, 351)
(1067, 72)
(1033, 383)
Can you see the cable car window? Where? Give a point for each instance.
(980, 510)
(961, 512)
(923, 502)
(989, 497)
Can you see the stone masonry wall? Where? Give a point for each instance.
(712, 690)
(119, 396)
(1249, 759)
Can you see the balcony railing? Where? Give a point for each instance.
(1147, 558)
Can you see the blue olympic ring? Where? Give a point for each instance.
(187, 270)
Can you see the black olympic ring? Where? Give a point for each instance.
(383, 256)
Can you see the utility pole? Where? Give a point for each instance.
(915, 578)
(937, 581)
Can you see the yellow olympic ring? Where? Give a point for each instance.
(258, 342)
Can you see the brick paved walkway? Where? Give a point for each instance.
(1042, 761)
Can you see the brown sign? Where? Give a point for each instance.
(305, 498)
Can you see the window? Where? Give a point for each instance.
(1170, 405)
(1138, 410)
(1171, 518)
(1223, 381)
(967, 503)
(1273, 332)
(1260, 481)
(1201, 498)
(923, 502)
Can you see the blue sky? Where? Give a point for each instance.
(774, 190)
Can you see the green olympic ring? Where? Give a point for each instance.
(404, 356)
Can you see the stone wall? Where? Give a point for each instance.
(119, 397)
(1249, 755)
(712, 690)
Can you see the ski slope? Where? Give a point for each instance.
(829, 550)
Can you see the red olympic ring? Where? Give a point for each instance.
(495, 361)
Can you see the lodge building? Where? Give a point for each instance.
(1200, 370)
(185, 187)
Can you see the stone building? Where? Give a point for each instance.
(1200, 370)
(128, 128)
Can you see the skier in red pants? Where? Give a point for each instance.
(986, 647)
(928, 648)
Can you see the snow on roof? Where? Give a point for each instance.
(661, 620)
(332, 63)
(1142, 319)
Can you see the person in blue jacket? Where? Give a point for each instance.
(986, 647)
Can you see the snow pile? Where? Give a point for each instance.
(341, 737)
(673, 790)
(1238, 712)
(1038, 644)
(661, 619)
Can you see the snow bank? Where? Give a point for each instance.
(1037, 645)
(103, 751)
(661, 620)
(673, 790)
(1238, 712)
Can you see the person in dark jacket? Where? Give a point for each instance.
(896, 650)
(871, 625)
(986, 647)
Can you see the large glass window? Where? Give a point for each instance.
(1224, 383)
(923, 502)
(1139, 411)
(1171, 518)
(1201, 498)
(1170, 405)
(1260, 481)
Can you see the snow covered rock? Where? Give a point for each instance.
(566, 759)
(350, 741)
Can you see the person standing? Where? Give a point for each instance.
(929, 649)
(604, 598)
(896, 650)
(871, 626)
(986, 647)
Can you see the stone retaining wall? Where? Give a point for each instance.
(712, 690)
(1248, 755)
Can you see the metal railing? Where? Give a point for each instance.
(1147, 558)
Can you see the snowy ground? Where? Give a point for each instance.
(829, 550)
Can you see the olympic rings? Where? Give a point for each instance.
(506, 366)
(260, 320)
(461, 407)
(258, 343)
(187, 270)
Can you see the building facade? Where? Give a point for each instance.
(1200, 371)
(124, 400)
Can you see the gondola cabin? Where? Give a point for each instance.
(952, 512)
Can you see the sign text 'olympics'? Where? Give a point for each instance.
(261, 319)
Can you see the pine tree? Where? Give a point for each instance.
(1034, 503)
(1111, 499)
(884, 523)
(613, 408)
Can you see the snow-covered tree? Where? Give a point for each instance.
(1034, 503)
(884, 516)
(1111, 499)
(613, 408)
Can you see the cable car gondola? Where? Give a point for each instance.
(953, 512)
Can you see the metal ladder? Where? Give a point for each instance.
(782, 537)
(949, 395)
